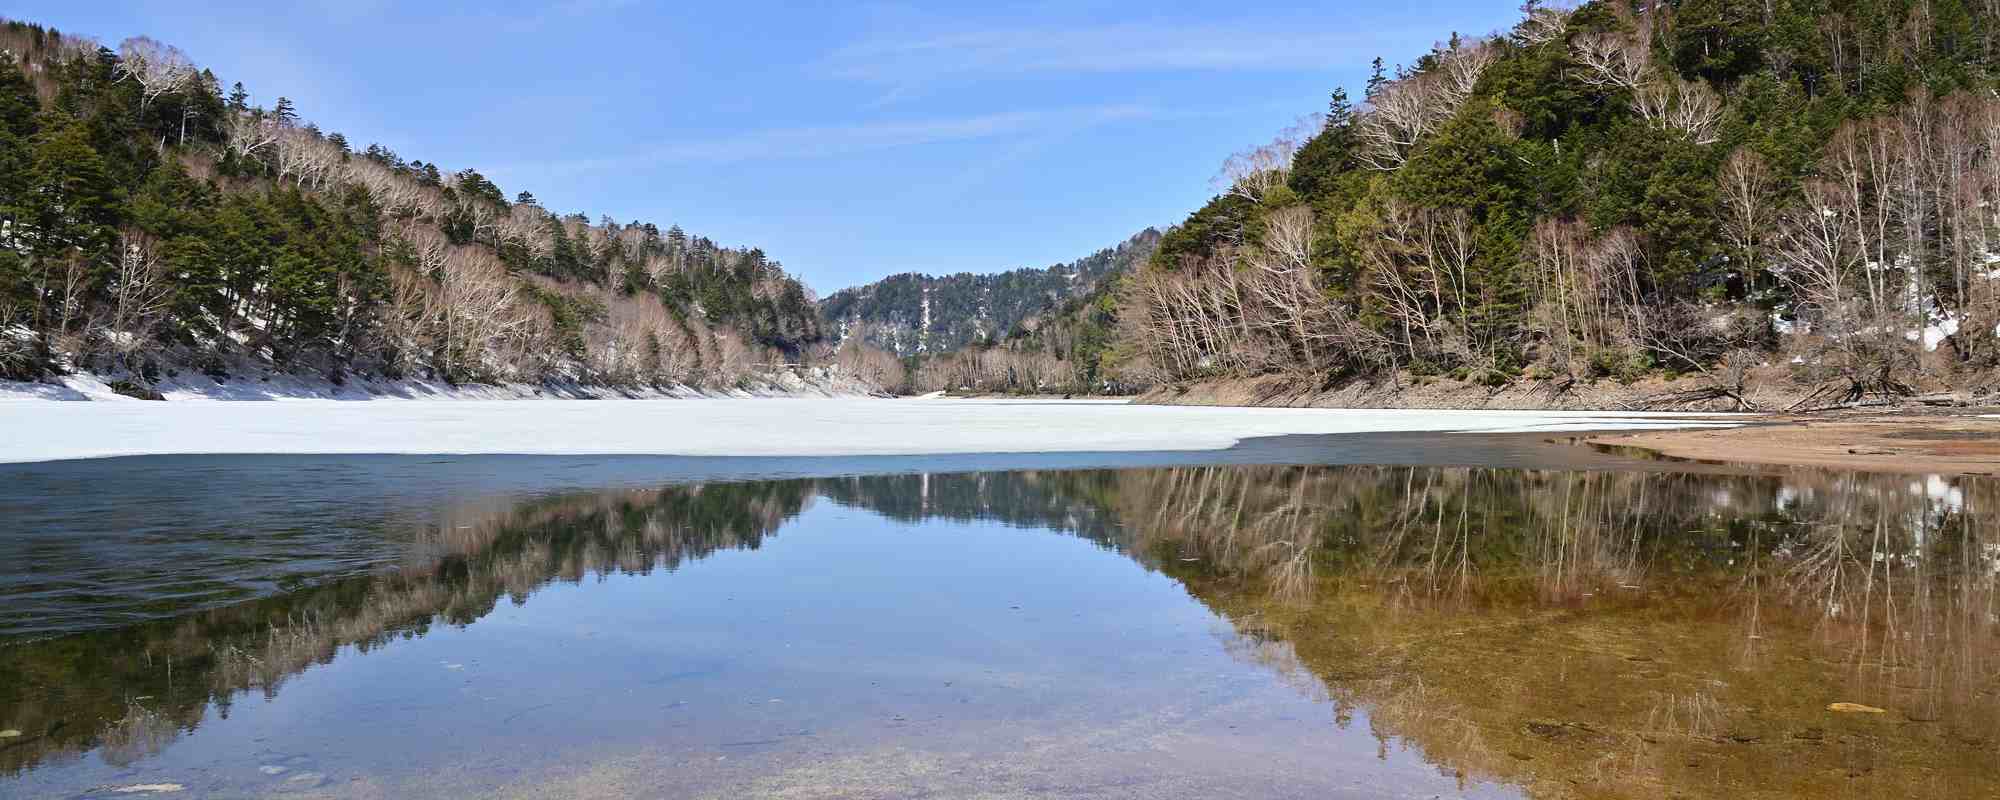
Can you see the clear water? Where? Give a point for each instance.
(1410, 617)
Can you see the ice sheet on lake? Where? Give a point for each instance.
(43, 431)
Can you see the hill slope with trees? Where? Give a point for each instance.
(1789, 203)
(1030, 330)
(154, 222)
(914, 313)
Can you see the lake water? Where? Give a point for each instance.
(1361, 616)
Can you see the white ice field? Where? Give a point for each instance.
(34, 430)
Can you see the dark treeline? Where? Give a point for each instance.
(152, 219)
(1798, 190)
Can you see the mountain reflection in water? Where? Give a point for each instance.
(1570, 633)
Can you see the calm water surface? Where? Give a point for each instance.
(1405, 617)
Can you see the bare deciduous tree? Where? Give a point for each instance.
(305, 157)
(397, 195)
(1586, 288)
(527, 226)
(1253, 173)
(249, 133)
(1418, 261)
(475, 305)
(139, 295)
(427, 246)
(1399, 114)
(159, 69)
(1460, 68)
(1747, 208)
(1688, 107)
(1543, 24)
(1815, 256)
(1611, 61)
(1405, 110)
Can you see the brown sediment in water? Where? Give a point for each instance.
(1614, 634)
(1906, 442)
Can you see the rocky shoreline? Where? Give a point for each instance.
(1770, 390)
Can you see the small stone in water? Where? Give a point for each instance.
(304, 780)
(273, 769)
(9, 733)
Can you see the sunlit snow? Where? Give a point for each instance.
(37, 430)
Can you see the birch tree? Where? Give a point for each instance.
(159, 69)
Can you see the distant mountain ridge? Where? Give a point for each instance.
(916, 314)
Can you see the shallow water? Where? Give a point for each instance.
(1484, 618)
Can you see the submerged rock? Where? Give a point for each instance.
(303, 781)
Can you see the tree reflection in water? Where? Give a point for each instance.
(1578, 633)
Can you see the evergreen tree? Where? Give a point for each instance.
(75, 200)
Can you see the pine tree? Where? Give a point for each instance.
(75, 198)
(18, 102)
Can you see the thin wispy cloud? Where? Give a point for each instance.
(1128, 47)
(843, 140)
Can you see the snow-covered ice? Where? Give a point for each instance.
(41, 431)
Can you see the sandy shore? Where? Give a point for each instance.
(1912, 442)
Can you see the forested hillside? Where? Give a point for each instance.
(915, 313)
(1025, 330)
(154, 221)
(1798, 192)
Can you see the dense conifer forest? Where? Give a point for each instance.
(154, 220)
(1797, 191)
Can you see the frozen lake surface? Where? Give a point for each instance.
(44, 431)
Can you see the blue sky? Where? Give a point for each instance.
(849, 140)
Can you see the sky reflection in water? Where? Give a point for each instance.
(1173, 630)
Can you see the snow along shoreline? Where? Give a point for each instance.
(47, 431)
(814, 382)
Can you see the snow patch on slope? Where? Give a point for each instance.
(814, 382)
